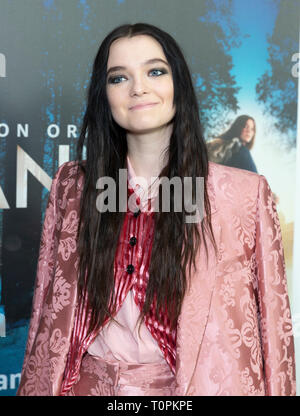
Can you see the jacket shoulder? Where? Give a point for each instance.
(68, 181)
(68, 170)
(218, 170)
(233, 184)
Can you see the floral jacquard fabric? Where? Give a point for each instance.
(234, 332)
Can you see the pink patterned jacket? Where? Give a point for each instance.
(234, 333)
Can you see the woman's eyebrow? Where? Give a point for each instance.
(149, 61)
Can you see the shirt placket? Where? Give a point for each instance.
(132, 236)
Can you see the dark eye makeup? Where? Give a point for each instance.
(114, 78)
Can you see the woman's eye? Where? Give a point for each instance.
(114, 80)
(162, 71)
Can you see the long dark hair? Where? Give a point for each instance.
(235, 130)
(175, 242)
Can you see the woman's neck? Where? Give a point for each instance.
(148, 153)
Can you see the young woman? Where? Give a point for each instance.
(232, 148)
(141, 301)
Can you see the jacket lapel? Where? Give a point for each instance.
(196, 304)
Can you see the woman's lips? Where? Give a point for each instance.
(139, 106)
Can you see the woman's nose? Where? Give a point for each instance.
(138, 86)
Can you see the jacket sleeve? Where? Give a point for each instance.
(45, 268)
(274, 308)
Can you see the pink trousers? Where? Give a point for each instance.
(116, 378)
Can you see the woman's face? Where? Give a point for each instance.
(143, 77)
(248, 131)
